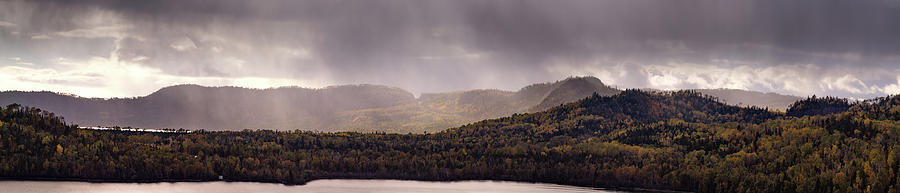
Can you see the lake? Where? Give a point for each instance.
(365, 186)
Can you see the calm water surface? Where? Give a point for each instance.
(367, 186)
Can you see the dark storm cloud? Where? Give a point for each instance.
(429, 46)
(546, 28)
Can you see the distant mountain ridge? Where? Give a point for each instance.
(752, 98)
(364, 108)
(192, 106)
(738, 97)
(568, 91)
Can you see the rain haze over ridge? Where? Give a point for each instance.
(108, 48)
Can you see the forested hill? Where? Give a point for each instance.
(673, 141)
(599, 115)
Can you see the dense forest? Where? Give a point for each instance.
(659, 140)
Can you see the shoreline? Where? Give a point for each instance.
(624, 189)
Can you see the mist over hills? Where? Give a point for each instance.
(364, 108)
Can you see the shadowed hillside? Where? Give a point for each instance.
(572, 90)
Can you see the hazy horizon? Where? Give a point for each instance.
(417, 95)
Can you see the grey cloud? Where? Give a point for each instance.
(430, 46)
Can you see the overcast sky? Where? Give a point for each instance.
(110, 48)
